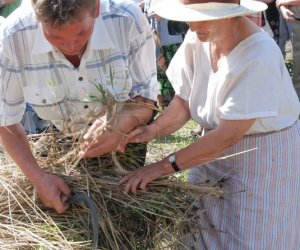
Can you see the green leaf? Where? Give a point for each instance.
(52, 83)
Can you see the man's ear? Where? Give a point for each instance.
(97, 11)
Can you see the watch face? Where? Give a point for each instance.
(172, 158)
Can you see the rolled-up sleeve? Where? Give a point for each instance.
(142, 61)
(12, 103)
(181, 70)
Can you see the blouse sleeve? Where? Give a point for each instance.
(180, 70)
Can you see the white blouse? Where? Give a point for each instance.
(251, 82)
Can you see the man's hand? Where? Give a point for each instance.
(51, 189)
(107, 136)
(99, 140)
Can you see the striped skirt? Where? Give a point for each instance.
(262, 210)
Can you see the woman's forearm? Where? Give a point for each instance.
(210, 146)
(173, 117)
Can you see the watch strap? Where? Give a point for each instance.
(174, 165)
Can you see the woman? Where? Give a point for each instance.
(230, 77)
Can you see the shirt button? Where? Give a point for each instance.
(80, 78)
(86, 106)
(90, 124)
(44, 101)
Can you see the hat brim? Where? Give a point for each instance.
(175, 10)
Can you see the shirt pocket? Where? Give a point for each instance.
(119, 83)
(47, 102)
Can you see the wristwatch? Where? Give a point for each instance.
(172, 161)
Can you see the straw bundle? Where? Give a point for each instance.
(156, 219)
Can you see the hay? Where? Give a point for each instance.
(156, 219)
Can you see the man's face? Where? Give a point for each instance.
(70, 38)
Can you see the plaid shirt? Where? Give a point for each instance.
(120, 58)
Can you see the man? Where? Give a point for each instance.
(290, 10)
(61, 57)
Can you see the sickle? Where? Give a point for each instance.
(92, 206)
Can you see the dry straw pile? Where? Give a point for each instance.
(156, 219)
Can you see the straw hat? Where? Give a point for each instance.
(205, 10)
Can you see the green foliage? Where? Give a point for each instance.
(289, 65)
(52, 83)
(166, 89)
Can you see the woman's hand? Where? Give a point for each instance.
(143, 134)
(139, 135)
(139, 178)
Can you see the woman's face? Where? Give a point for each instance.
(210, 31)
(71, 38)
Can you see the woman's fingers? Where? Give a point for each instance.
(126, 177)
(132, 181)
(143, 185)
(142, 134)
(140, 178)
(132, 186)
(134, 135)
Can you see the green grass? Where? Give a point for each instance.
(161, 147)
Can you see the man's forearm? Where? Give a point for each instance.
(15, 142)
(134, 113)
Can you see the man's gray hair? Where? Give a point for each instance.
(57, 12)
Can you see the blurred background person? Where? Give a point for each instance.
(290, 10)
(8, 6)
